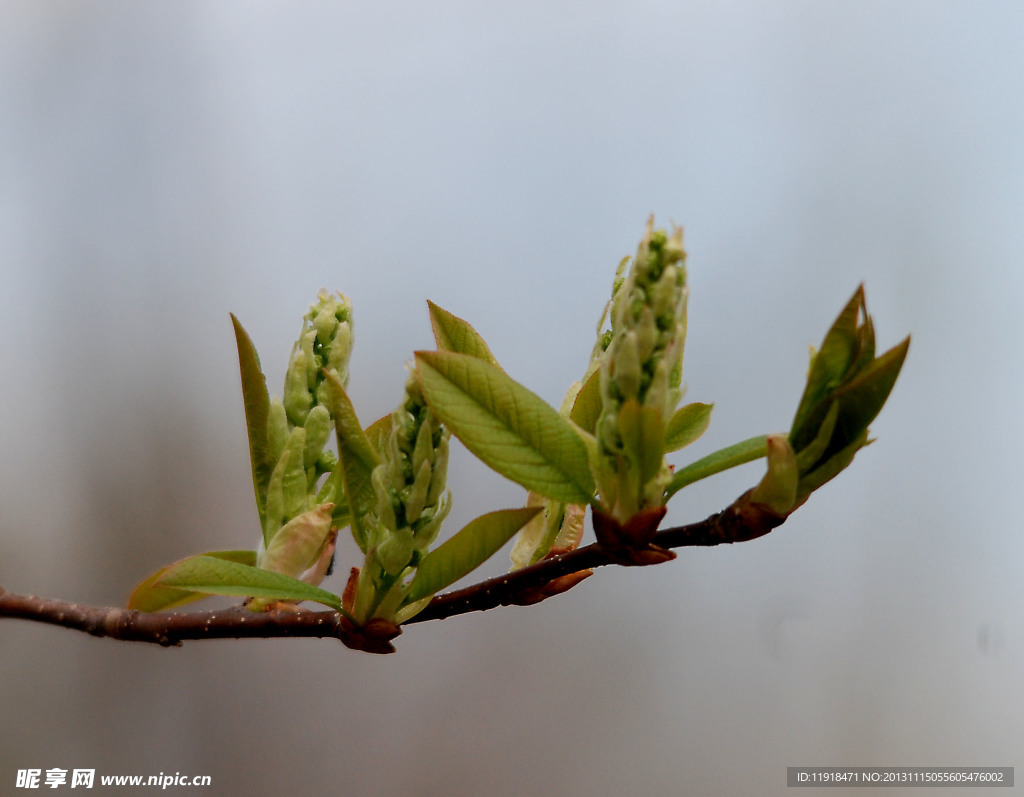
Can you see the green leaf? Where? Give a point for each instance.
(862, 398)
(346, 423)
(147, 597)
(357, 458)
(378, 433)
(846, 389)
(829, 366)
(467, 550)
(586, 409)
(830, 468)
(723, 459)
(341, 516)
(454, 334)
(688, 423)
(813, 451)
(214, 576)
(844, 431)
(257, 412)
(506, 426)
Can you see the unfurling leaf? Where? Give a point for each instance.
(846, 388)
(299, 546)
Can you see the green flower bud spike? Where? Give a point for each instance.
(297, 499)
(299, 533)
(325, 342)
(640, 376)
(409, 485)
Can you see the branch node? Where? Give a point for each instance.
(374, 636)
(630, 543)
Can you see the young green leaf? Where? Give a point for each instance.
(467, 550)
(723, 459)
(257, 412)
(357, 458)
(688, 423)
(862, 398)
(506, 426)
(843, 344)
(586, 409)
(214, 576)
(812, 452)
(846, 388)
(378, 432)
(147, 597)
(454, 334)
(830, 467)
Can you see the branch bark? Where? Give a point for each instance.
(739, 522)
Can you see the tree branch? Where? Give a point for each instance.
(739, 522)
(170, 628)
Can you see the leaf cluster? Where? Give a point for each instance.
(604, 448)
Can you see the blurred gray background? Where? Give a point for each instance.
(164, 164)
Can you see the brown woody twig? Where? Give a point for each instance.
(739, 522)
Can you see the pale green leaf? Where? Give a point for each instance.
(455, 334)
(688, 423)
(147, 597)
(467, 550)
(214, 576)
(505, 425)
(378, 433)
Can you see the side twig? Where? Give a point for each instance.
(739, 522)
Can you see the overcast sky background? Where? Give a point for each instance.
(164, 164)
